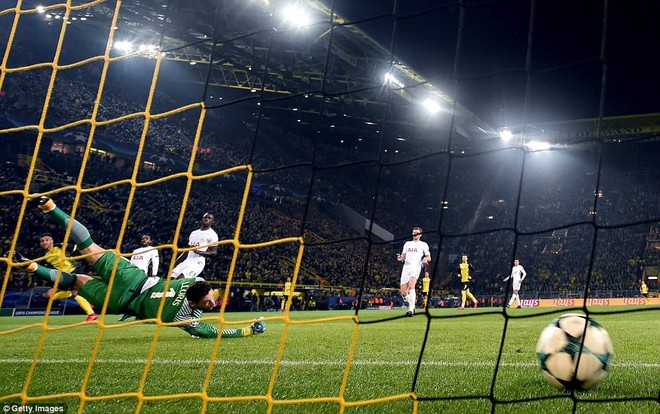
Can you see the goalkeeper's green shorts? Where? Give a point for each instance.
(128, 279)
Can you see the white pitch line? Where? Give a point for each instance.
(295, 363)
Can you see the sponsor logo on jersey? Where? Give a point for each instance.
(157, 295)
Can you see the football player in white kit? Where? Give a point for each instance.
(145, 255)
(518, 274)
(415, 255)
(191, 263)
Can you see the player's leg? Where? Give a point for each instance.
(79, 233)
(87, 307)
(513, 297)
(405, 278)
(186, 269)
(58, 295)
(463, 296)
(412, 296)
(66, 280)
(472, 298)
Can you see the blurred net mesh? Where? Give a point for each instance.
(325, 116)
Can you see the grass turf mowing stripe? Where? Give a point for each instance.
(297, 363)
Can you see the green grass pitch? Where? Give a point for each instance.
(456, 374)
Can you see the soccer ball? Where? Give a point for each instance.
(558, 351)
(259, 326)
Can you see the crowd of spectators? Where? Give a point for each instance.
(547, 210)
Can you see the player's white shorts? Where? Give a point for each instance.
(516, 285)
(409, 272)
(189, 268)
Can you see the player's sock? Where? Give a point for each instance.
(62, 294)
(67, 280)
(412, 300)
(79, 233)
(236, 333)
(463, 295)
(84, 305)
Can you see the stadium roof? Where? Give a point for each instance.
(252, 51)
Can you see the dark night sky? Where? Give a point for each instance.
(565, 72)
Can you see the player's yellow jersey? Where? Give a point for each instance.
(287, 289)
(426, 283)
(465, 272)
(54, 257)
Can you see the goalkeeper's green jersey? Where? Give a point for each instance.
(176, 308)
(132, 291)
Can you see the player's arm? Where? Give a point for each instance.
(212, 248)
(522, 273)
(427, 258)
(183, 256)
(210, 251)
(508, 277)
(201, 330)
(155, 262)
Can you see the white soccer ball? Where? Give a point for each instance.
(560, 359)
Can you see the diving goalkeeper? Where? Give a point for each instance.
(133, 291)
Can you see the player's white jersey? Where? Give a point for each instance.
(142, 256)
(518, 274)
(415, 252)
(201, 237)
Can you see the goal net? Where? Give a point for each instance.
(319, 133)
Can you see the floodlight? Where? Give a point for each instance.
(390, 79)
(506, 135)
(297, 16)
(537, 145)
(431, 106)
(123, 46)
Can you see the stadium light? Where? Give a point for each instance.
(297, 16)
(431, 106)
(123, 46)
(390, 79)
(506, 135)
(537, 145)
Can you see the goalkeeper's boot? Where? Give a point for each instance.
(475, 304)
(19, 260)
(45, 204)
(461, 307)
(258, 326)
